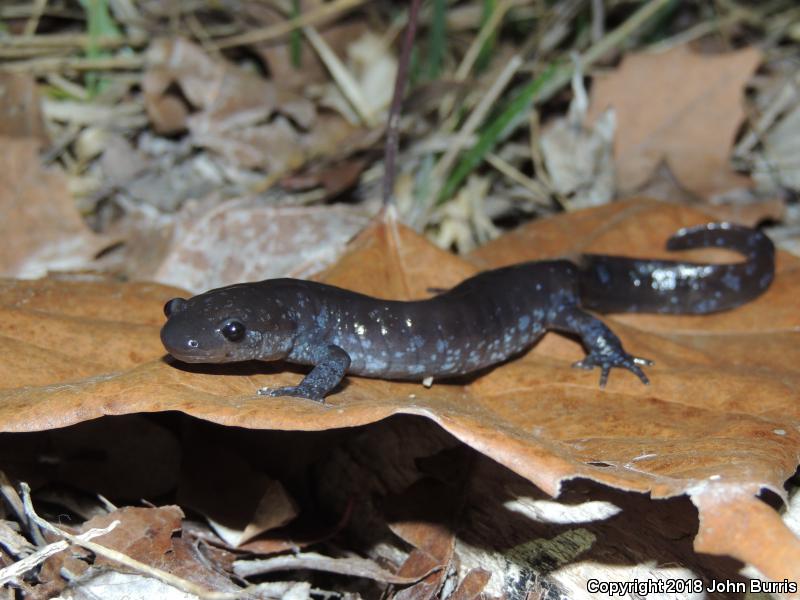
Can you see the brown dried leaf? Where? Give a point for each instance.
(472, 585)
(147, 535)
(233, 107)
(144, 534)
(311, 70)
(269, 242)
(20, 108)
(50, 581)
(73, 330)
(526, 539)
(333, 178)
(719, 422)
(224, 92)
(431, 531)
(188, 561)
(293, 538)
(40, 228)
(681, 107)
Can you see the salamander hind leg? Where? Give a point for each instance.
(604, 347)
(330, 365)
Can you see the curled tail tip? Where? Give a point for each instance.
(720, 234)
(617, 284)
(695, 231)
(687, 237)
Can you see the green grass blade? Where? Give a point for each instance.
(485, 54)
(99, 25)
(497, 130)
(296, 39)
(437, 39)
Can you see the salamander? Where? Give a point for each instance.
(482, 321)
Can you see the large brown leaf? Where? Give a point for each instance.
(719, 422)
(40, 227)
(681, 107)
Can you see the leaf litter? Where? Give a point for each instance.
(253, 155)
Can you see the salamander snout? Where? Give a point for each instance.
(233, 323)
(180, 343)
(200, 331)
(187, 336)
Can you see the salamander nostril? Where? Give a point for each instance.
(173, 306)
(192, 344)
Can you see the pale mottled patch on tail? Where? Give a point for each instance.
(621, 284)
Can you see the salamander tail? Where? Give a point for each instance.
(620, 284)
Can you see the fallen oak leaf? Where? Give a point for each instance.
(679, 106)
(115, 557)
(41, 229)
(147, 535)
(534, 414)
(81, 298)
(144, 534)
(73, 330)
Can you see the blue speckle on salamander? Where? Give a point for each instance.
(604, 276)
(486, 319)
(732, 281)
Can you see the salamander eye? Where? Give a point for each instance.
(234, 331)
(173, 306)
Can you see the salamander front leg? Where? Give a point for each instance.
(330, 365)
(604, 347)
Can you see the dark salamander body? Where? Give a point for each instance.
(482, 321)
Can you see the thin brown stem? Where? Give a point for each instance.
(393, 126)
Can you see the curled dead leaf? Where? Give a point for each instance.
(679, 106)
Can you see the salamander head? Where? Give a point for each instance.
(228, 324)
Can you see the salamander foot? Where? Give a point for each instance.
(616, 359)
